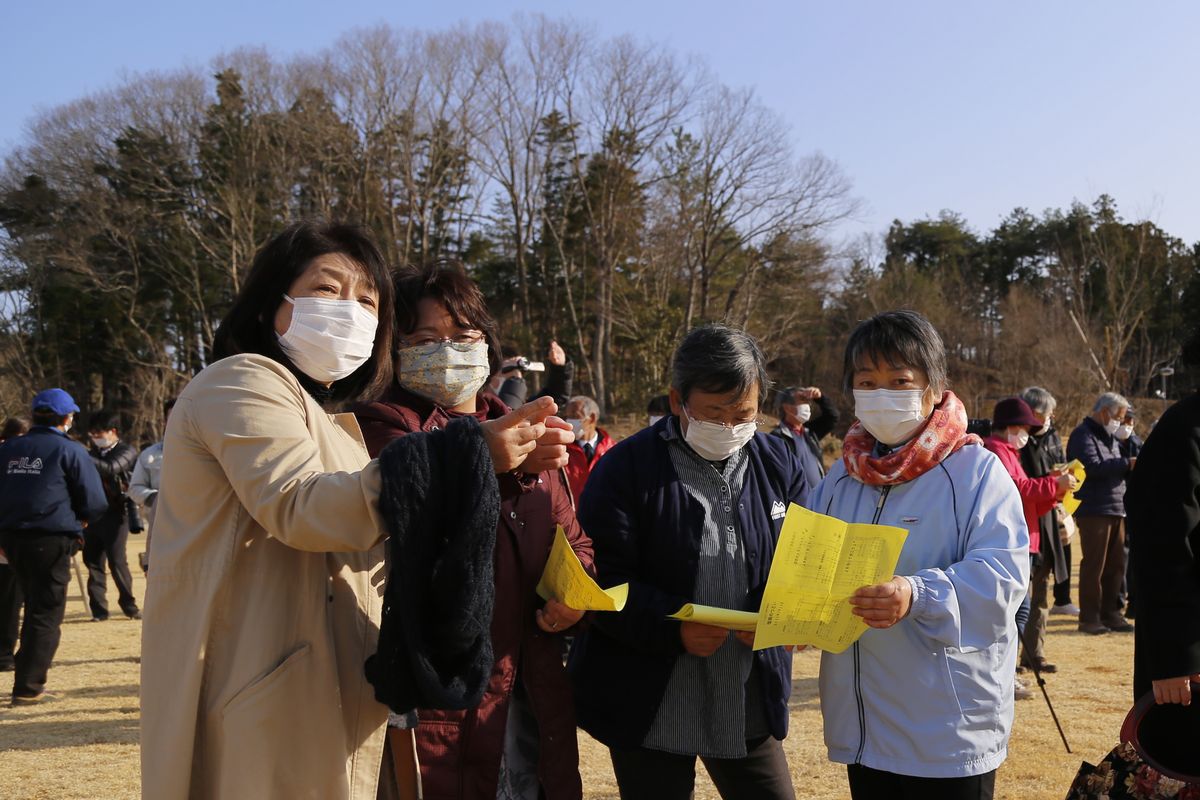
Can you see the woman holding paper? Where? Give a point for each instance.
(922, 705)
(689, 511)
(520, 741)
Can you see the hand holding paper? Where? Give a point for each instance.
(565, 580)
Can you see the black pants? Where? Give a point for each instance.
(874, 784)
(105, 539)
(1062, 589)
(10, 614)
(42, 562)
(763, 774)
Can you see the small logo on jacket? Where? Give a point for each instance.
(778, 510)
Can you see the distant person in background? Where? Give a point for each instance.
(1012, 424)
(143, 486)
(48, 491)
(508, 383)
(106, 538)
(10, 587)
(658, 407)
(805, 418)
(1038, 457)
(1163, 502)
(1131, 447)
(1101, 514)
(591, 441)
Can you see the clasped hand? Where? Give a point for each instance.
(529, 438)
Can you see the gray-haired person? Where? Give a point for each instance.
(1101, 514)
(689, 510)
(1038, 457)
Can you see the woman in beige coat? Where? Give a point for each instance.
(267, 587)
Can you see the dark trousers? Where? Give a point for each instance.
(874, 784)
(43, 565)
(763, 774)
(1102, 569)
(10, 614)
(1062, 589)
(105, 540)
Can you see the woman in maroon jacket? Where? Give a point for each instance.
(520, 741)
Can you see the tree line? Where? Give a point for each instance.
(605, 192)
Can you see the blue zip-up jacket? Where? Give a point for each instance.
(932, 696)
(48, 483)
(1103, 493)
(646, 530)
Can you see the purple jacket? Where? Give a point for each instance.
(1103, 493)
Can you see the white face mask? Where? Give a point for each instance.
(328, 339)
(1124, 432)
(1042, 431)
(892, 416)
(448, 373)
(576, 428)
(1019, 439)
(654, 419)
(803, 413)
(715, 442)
(101, 442)
(1111, 426)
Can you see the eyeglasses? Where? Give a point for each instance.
(466, 337)
(756, 419)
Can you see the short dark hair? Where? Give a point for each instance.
(659, 405)
(104, 420)
(44, 416)
(249, 327)
(449, 284)
(13, 427)
(719, 359)
(900, 338)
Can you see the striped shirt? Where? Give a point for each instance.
(711, 706)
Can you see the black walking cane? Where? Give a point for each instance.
(1041, 682)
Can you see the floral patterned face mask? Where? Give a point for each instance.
(448, 373)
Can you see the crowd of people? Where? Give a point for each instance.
(360, 478)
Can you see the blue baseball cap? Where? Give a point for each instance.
(55, 400)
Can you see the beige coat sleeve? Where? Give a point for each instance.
(254, 420)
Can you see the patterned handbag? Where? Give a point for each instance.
(1158, 758)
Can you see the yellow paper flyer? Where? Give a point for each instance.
(718, 617)
(565, 580)
(1069, 501)
(819, 562)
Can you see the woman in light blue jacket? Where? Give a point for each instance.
(922, 705)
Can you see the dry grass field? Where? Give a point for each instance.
(84, 745)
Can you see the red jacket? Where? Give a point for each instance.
(1038, 495)
(578, 466)
(460, 751)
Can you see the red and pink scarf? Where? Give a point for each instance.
(942, 434)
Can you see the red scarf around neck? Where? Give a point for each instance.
(942, 434)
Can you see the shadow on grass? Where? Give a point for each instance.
(114, 660)
(52, 734)
(122, 690)
(804, 693)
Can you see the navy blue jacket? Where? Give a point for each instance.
(1103, 493)
(646, 531)
(48, 483)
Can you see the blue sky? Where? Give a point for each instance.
(973, 107)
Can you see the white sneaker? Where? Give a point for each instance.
(1020, 690)
(1070, 610)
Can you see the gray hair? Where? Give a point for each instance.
(719, 359)
(1040, 400)
(1111, 401)
(589, 405)
(902, 339)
